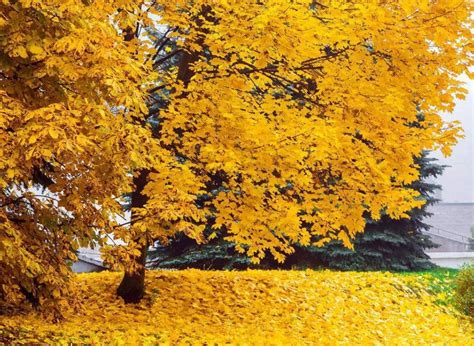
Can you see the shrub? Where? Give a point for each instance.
(464, 290)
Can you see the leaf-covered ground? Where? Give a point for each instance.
(252, 307)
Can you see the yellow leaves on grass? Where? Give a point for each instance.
(252, 307)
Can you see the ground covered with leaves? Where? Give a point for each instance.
(253, 307)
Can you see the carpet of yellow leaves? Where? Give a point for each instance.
(251, 307)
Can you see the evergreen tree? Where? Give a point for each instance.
(386, 244)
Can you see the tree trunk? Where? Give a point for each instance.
(132, 287)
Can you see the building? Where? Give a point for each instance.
(88, 260)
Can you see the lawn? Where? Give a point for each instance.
(438, 282)
(254, 307)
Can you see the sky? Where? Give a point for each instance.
(458, 179)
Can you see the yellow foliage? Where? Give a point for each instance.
(299, 114)
(251, 307)
(71, 101)
(276, 122)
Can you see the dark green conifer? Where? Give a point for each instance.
(386, 244)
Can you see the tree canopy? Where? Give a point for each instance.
(293, 118)
(71, 104)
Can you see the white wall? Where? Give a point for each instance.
(458, 180)
(451, 259)
(84, 267)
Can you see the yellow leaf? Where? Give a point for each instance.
(46, 152)
(32, 139)
(22, 52)
(345, 240)
(35, 49)
(10, 173)
(53, 133)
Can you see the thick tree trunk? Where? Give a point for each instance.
(132, 287)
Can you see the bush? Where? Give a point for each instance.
(464, 290)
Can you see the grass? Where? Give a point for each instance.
(439, 282)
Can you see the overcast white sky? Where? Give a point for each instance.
(458, 180)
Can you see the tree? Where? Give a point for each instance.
(183, 252)
(289, 120)
(386, 244)
(71, 94)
